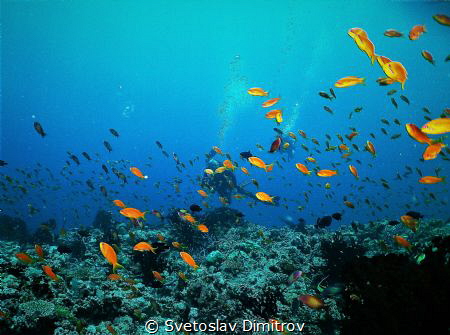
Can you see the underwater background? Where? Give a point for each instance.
(91, 89)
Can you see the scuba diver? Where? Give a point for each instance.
(286, 144)
(225, 183)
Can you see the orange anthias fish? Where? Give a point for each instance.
(217, 149)
(144, 246)
(110, 255)
(409, 222)
(370, 148)
(158, 276)
(326, 173)
(202, 193)
(270, 102)
(302, 168)
(119, 203)
(262, 196)
(258, 162)
(189, 260)
(349, 81)
(311, 301)
(349, 204)
(428, 56)
(392, 33)
(432, 151)
(24, 258)
(39, 251)
(202, 228)
(437, 126)
(402, 242)
(416, 31)
(311, 159)
(49, 272)
(354, 171)
(220, 169)
(243, 169)
(442, 19)
(132, 213)
(228, 164)
(257, 91)
(394, 70)
(276, 114)
(431, 180)
(137, 173)
(363, 42)
(417, 134)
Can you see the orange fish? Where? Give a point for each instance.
(49, 272)
(262, 196)
(132, 213)
(217, 149)
(189, 260)
(354, 171)
(257, 91)
(344, 147)
(349, 81)
(276, 114)
(349, 204)
(243, 169)
(402, 242)
(114, 277)
(39, 251)
(370, 148)
(220, 169)
(302, 168)
(437, 126)
(442, 19)
(111, 329)
(209, 171)
(137, 173)
(202, 193)
(24, 258)
(119, 203)
(417, 134)
(311, 301)
(269, 167)
(431, 180)
(428, 56)
(160, 237)
(394, 70)
(432, 151)
(392, 33)
(110, 255)
(182, 276)
(189, 218)
(203, 228)
(158, 276)
(270, 102)
(311, 159)
(228, 164)
(176, 245)
(326, 173)
(363, 42)
(144, 246)
(416, 31)
(258, 162)
(302, 133)
(409, 222)
(384, 81)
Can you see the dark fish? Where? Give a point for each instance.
(195, 208)
(165, 153)
(279, 131)
(397, 122)
(426, 117)
(394, 102)
(89, 183)
(3, 163)
(323, 222)
(405, 99)
(86, 155)
(158, 143)
(337, 216)
(355, 146)
(426, 110)
(447, 58)
(246, 154)
(114, 132)
(39, 129)
(414, 215)
(107, 146)
(239, 214)
(275, 145)
(64, 249)
(325, 95)
(328, 109)
(332, 93)
(103, 190)
(384, 131)
(385, 121)
(104, 168)
(372, 135)
(358, 109)
(75, 159)
(395, 136)
(391, 92)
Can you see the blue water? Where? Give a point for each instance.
(178, 72)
